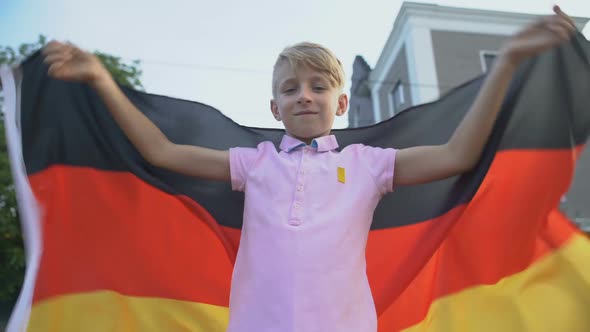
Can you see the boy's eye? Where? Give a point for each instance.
(288, 90)
(319, 88)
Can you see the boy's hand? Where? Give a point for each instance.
(67, 62)
(538, 37)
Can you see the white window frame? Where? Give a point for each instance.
(482, 58)
(402, 99)
(397, 92)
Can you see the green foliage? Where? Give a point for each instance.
(10, 56)
(12, 256)
(124, 74)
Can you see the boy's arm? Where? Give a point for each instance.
(460, 154)
(70, 63)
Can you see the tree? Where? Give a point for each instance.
(12, 257)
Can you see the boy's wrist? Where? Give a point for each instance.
(506, 62)
(100, 78)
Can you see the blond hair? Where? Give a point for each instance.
(314, 56)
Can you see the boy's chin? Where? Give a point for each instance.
(306, 135)
(307, 132)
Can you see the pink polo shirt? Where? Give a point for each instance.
(301, 262)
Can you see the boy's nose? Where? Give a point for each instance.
(304, 96)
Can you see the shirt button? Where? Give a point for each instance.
(299, 188)
(296, 205)
(302, 172)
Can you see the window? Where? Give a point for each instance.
(487, 59)
(399, 92)
(397, 97)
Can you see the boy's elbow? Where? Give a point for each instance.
(156, 155)
(467, 164)
(155, 160)
(462, 162)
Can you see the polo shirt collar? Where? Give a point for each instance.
(322, 144)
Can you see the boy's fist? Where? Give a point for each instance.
(67, 62)
(540, 36)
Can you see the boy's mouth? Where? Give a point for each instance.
(306, 113)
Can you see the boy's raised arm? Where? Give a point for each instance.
(461, 153)
(70, 63)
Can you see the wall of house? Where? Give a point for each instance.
(360, 112)
(457, 55)
(397, 73)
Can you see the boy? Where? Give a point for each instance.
(308, 208)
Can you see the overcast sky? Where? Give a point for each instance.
(221, 52)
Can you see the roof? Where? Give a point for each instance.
(432, 12)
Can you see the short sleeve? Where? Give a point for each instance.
(381, 163)
(241, 161)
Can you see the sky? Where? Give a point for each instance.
(221, 53)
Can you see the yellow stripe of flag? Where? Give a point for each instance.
(110, 311)
(551, 295)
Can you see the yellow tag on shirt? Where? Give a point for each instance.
(341, 175)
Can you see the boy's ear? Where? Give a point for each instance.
(275, 110)
(342, 104)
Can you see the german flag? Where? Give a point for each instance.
(115, 244)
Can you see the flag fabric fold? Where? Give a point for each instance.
(116, 244)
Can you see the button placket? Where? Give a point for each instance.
(296, 207)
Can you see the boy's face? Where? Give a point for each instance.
(306, 102)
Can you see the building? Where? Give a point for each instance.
(432, 49)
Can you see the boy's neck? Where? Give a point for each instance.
(306, 140)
